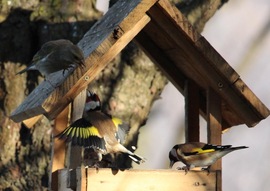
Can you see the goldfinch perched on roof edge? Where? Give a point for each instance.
(98, 131)
(196, 154)
(54, 56)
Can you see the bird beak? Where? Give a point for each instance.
(171, 163)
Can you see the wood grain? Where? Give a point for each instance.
(31, 121)
(58, 148)
(214, 121)
(192, 109)
(143, 180)
(214, 130)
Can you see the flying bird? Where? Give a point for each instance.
(99, 131)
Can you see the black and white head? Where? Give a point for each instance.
(92, 102)
(173, 155)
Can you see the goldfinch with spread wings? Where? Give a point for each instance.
(99, 131)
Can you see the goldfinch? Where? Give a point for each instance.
(197, 154)
(54, 56)
(98, 131)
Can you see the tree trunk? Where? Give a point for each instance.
(128, 86)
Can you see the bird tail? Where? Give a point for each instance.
(22, 71)
(31, 67)
(136, 158)
(237, 148)
(227, 150)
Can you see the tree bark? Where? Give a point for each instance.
(128, 86)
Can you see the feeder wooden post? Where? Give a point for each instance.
(70, 158)
(215, 129)
(74, 154)
(192, 107)
(58, 147)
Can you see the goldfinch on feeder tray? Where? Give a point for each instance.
(98, 131)
(197, 154)
(54, 56)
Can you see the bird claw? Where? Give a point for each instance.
(185, 168)
(68, 68)
(206, 169)
(96, 166)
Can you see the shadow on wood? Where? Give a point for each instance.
(139, 180)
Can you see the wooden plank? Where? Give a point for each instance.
(214, 129)
(192, 107)
(29, 123)
(58, 152)
(146, 40)
(63, 175)
(188, 54)
(173, 73)
(81, 179)
(154, 180)
(216, 60)
(58, 149)
(165, 41)
(214, 121)
(239, 87)
(161, 60)
(219, 180)
(99, 46)
(59, 146)
(53, 185)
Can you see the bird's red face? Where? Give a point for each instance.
(92, 102)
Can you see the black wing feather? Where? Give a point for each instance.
(80, 133)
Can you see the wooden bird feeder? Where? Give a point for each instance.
(210, 86)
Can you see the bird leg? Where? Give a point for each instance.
(185, 168)
(96, 166)
(67, 68)
(207, 169)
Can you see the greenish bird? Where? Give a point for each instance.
(54, 56)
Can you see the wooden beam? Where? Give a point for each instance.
(160, 59)
(58, 147)
(29, 123)
(192, 107)
(100, 45)
(60, 123)
(165, 64)
(61, 158)
(143, 180)
(194, 38)
(62, 177)
(214, 121)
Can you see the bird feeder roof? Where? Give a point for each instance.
(171, 42)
